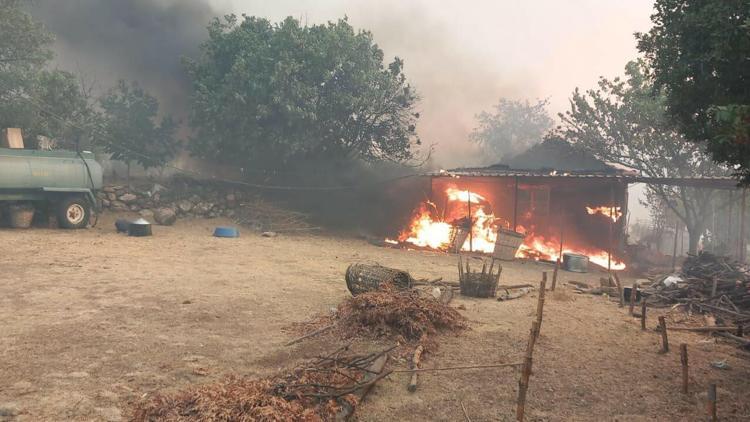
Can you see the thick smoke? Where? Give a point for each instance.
(140, 40)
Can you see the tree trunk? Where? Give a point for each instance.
(127, 175)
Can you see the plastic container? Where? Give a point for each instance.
(226, 232)
(139, 228)
(575, 263)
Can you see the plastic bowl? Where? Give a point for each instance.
(226, 232)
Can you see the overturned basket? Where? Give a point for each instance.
(361, 278)
(479, 284)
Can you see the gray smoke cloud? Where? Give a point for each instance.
(461, 56)
(140, 40)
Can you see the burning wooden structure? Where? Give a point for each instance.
(562, 200)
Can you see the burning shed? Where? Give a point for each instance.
(560, 199)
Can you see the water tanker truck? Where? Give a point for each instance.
(65, 181)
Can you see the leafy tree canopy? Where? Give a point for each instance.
(626, 122)
(132, 130)
(511, 128)
(273, 93)
(699, 51)
(37, 100)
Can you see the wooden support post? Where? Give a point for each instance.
(684, 362)
(674, 248)
(540, 303)
(515, 206)
(633, 296)
(620, 290)
(554, 274)
(743, 248)
(643, 314)
(611, 223)
(664, 339)
(471, 223)
(712, 403)
(713, 288)
(523, 382)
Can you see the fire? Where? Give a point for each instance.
(610, 212)
(428, 229)
(463, 195)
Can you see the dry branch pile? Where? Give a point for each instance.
(709, 283)
(324, 389)
(390, 313)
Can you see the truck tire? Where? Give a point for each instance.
(73, 213)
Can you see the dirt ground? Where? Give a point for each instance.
(93, 320)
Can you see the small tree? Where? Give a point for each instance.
(513, 127)
(624, 122)
(37, 100)
(130, 128)
(266, 94)
(698, 50)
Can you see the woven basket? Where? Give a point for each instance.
(478, 285)
(507, 244)
(21, 216)
(361, 278)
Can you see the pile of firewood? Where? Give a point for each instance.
(326, 388)
(709, 283)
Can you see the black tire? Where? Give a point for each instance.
(73, 213)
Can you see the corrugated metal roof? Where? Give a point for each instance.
(718, 182)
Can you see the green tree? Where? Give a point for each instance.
(39, 101)
(513, 127)
(699, 51)
(274, 93)
(132, 131)
(625, 121)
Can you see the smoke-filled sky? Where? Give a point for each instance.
(460, 55)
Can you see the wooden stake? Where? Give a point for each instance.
(415, 365)
(515, 206)
(712, 402)
(684, 361)
(643, 314)
(471, 223)
(664, 339)
(540, 303)
(619, 287)
(523, 382)
(713, 288)
(633, 296)
(743, 247)
(674, 249)
(554, 274)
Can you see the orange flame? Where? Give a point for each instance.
(610, 212)
(428, 230)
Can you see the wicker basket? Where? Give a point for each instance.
(361, 278)
(21, 216)
(507, 244)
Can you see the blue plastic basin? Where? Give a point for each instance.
(226, 232)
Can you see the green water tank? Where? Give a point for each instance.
(22, 169)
